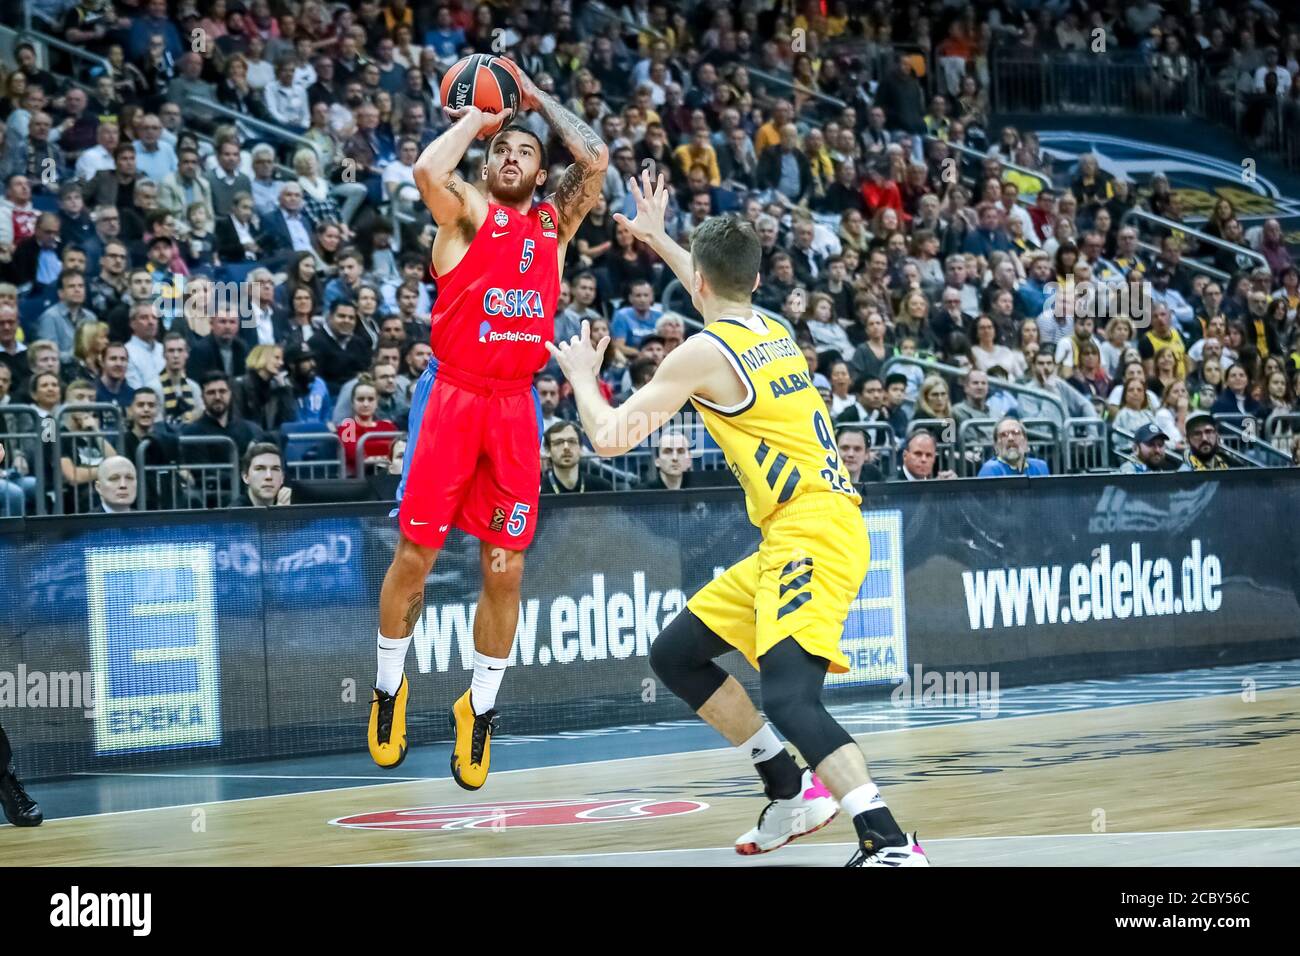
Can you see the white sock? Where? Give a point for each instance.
(764, 745)
(488, 672)
(863, 798)
(392, 661)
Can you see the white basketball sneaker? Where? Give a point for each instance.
(784, 820)
(871, 853)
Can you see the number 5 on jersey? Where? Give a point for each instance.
(526, 259)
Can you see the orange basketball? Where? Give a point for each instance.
(482, 80)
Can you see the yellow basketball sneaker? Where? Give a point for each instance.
(387, 734)
(473, 748)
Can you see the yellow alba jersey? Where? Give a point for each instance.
(778, 440)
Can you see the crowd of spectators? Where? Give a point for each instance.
(895, 221)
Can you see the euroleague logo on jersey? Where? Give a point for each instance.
(548, 224)
(521, 814)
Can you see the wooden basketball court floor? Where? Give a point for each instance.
(1189, 768)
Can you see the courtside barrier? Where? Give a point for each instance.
(145, 639)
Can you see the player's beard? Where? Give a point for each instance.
(518, 189)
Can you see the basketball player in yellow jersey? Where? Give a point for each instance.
(784, 606)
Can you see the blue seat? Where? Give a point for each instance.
(298, 449)
(234, 272)
(30, 308)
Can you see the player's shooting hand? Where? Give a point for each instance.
(486, 123)
(651, 204)
(529, 95)
(577, 357)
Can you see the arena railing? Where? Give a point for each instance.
(187, 484)
(1239, 434)
(979, 156)
(267, 129)
(944, 432)
(1282, 426)
(1173, 225)
(212, 481)
(795, 86)
(1046, 440)
(66, 443)
(957, 372)
(1087, 445)
(1125, 81)
(27, 443)
(624, 20)
(1121, 81)
(364, 467)
(38, 39)
(1227, 448)
(975, 444)
(314, 456)
(881, 441)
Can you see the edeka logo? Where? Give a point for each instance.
(1129, 583)
(153, 636)
(605, 622)
(520, 814)
(875, 633)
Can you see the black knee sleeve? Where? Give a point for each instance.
(5, 753)
(792, 689)
(682, 657)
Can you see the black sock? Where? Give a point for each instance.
(875, 824)
(781, 776)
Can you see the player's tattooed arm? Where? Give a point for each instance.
(582, 182)
(450, 199)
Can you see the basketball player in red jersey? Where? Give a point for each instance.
(474, 455)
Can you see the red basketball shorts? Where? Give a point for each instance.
(473, 461)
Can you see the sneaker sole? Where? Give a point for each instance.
(752, 849)
(392, 766)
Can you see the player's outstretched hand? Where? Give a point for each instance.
(577, 357)
(488, 123)
(651, 204)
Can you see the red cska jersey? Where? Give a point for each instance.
(496, 307)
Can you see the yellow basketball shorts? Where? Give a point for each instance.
(800, 583)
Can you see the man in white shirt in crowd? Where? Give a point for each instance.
(401, 172)
(154, 159)
(266, 188)
(258, 327)
(99, 156)
(285, 100)
(144, 353)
